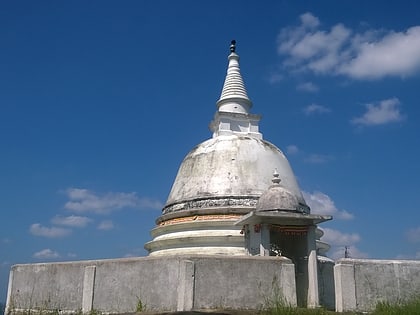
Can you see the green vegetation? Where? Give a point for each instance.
(278, 307)
(140, 307)
(288, 310)
(95, 312)
(409, 308)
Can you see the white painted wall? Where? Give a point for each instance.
(160, 283)
(361, 283)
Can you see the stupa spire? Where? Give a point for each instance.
(234, 98)
(276, 177)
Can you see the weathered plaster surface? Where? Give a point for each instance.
(160, 283)
(361, 283)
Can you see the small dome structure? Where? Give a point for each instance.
(277, 197)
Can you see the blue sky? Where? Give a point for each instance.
(100, 101)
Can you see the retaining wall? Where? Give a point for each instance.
(158, 283)
(361, 283)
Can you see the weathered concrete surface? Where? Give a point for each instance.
(229, 284)
(173, 283)
(326, 282)
(361, 283)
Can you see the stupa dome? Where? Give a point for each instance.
(221, 179)
(233, 167)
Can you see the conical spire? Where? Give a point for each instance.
(233, 116)
(234, 97)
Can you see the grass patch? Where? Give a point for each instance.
(289, 310)
(409, 308)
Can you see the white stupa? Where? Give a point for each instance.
(221, 179)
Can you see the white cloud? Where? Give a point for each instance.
(52, 232)
(292, 149)
(318, 158)
(321, 203)
(316, 109)
(341, 242)
(337, 238)
(307, 87)
(83, 200)
(372, 54)
(380, 113)
(309, 21)
(393, 54)
(106, 225)
(46, 254)
(413, 235)
(72, 221)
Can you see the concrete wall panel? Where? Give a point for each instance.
(46, 286)
(250, 284)
(124, 283)
(362, 283)
(168, 283)
(326, 283)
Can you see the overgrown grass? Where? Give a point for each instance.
(278, 306)
(409, 308)
(289, 310)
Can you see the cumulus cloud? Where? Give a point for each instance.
(51, 232)
(380, 113)
(321, 203)
(307, 87)
(106, 225)
(315, 109)
(337, 238)
(71, 221)
(83, 200)
(371, 54)
(393, 54)
(292, 149)
(341, 243)
(46, 254)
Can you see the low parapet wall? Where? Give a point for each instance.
(156, 283)
(326, 282)
(361, 283)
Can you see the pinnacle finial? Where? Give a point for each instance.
(232, 46)
(276, 177)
